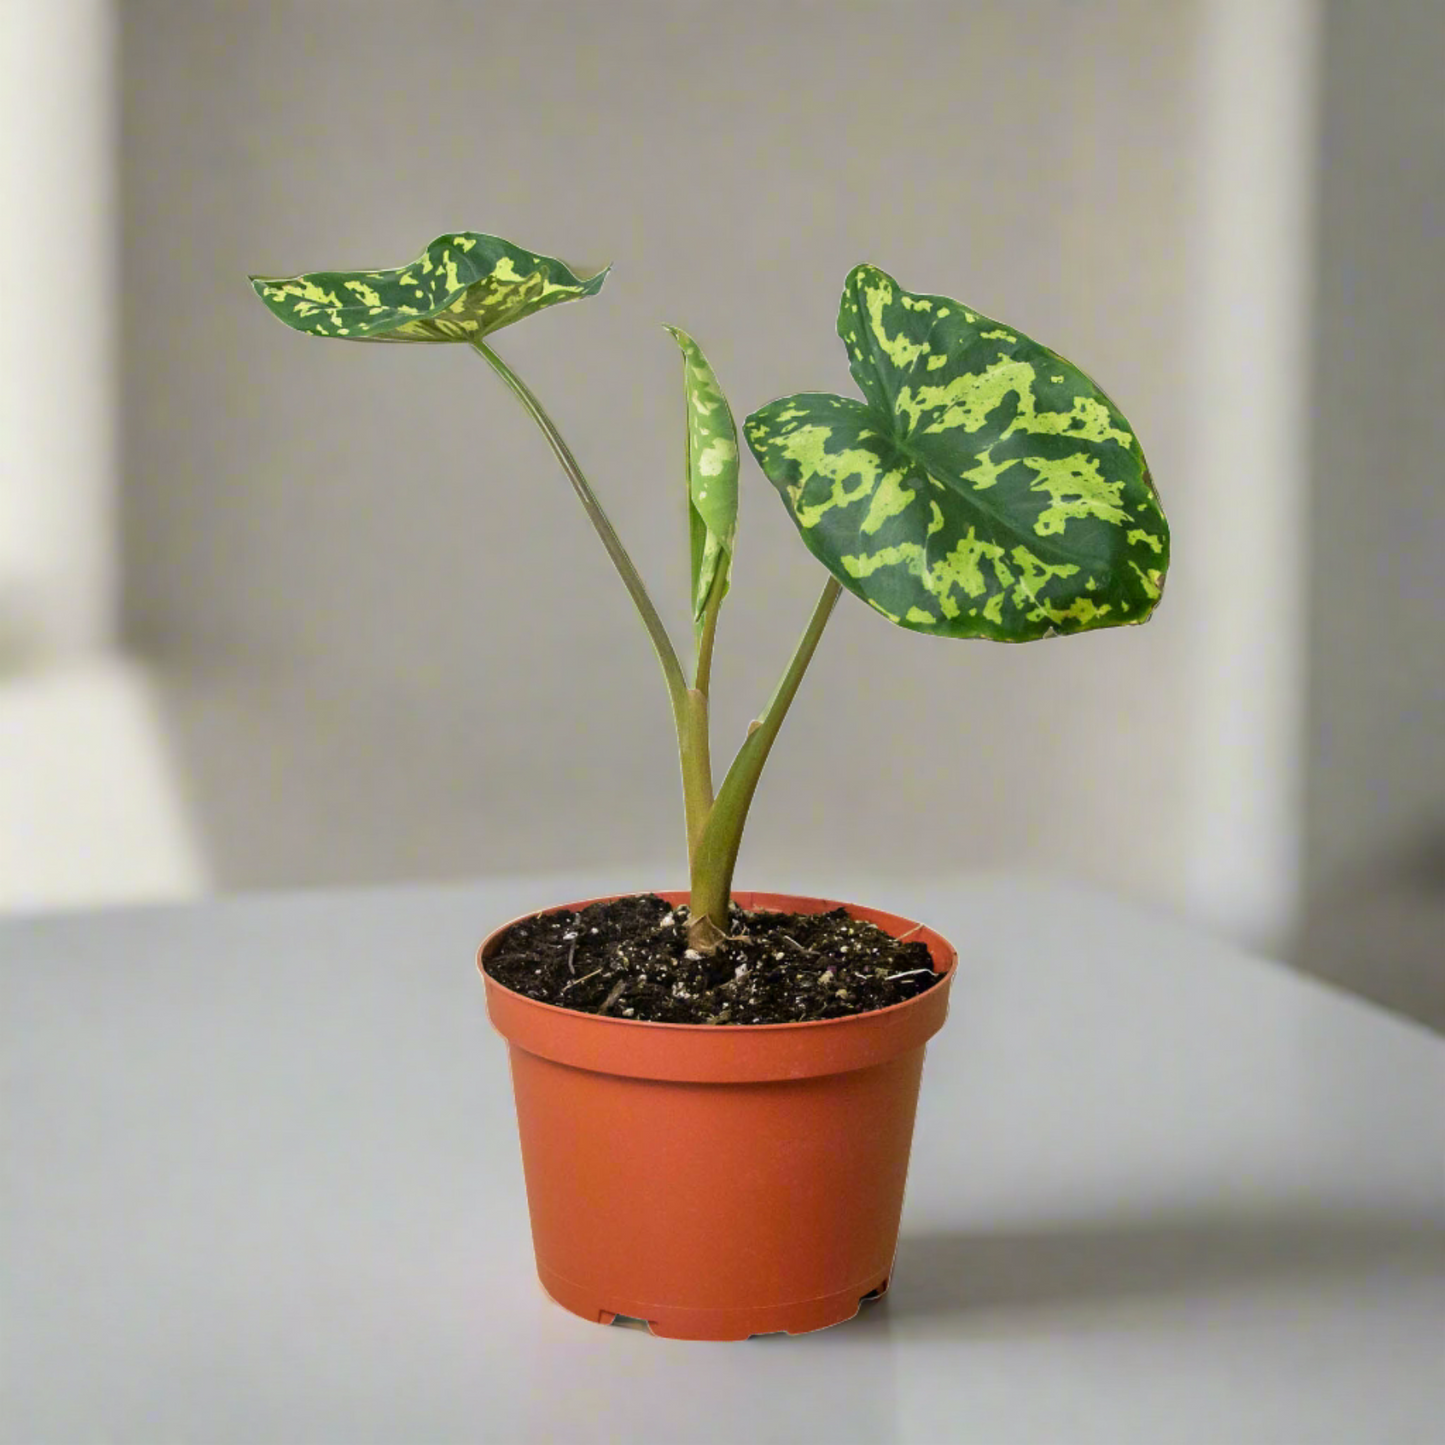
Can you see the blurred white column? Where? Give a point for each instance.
(90, 807)
(1247, 401)
(58, 285)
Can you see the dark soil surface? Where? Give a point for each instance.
(629, 959)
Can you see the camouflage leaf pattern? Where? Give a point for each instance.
(712, 474)
(986, 487)
(462, 287)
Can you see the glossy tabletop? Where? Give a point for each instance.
(261, 1184)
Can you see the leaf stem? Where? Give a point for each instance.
(695, 751)
(631, 578)
(707, 632)
(689, 705)
(715, 855)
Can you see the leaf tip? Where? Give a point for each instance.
(866, 269)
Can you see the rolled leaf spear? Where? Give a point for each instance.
(982, 487)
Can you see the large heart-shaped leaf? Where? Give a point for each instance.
(712, 474)
(461, 287)
(985, 488)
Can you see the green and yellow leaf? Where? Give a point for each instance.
(712, 474)
(462, 287)
(985, 487)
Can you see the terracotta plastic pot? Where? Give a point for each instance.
(718, 1181)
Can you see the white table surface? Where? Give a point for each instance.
(261, 1184)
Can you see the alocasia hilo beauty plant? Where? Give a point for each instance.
(982, 486)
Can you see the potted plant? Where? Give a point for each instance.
(715, 1090)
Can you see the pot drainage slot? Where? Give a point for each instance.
(627, 1322)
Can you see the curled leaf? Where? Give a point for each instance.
(463, 286)
(712, 474)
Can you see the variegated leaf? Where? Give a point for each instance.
(461, 287)
(985, 488)
(712, 474)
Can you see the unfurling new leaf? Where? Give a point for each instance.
(712, 475)
(461, 288)
(986, 487)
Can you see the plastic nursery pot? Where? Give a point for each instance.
(718, 1181)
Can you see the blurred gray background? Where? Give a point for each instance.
(348, 624)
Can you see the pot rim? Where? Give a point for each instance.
(725, 1053)
(674, 896)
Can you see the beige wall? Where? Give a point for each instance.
(397, 649)
(1374, 913)
(1377, 731)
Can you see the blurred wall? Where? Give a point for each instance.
(1241, 578)
(394, 646)
(89, 812)
(1374, 815)
(1377, 639)
(58, 549)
